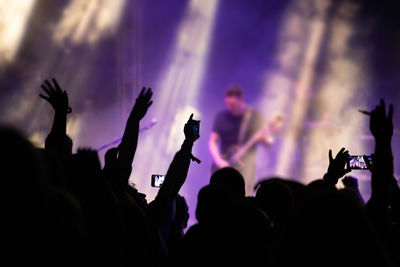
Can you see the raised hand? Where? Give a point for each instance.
(337, 166)
(56, 141)
(143, 102)
(57, 98)
(192, 129)
(381, 125)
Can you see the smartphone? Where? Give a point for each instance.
(157, 180)
(358, 162)
(196, 128)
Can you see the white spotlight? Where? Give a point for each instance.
(13, 18)
(88, 21)
(177, 90)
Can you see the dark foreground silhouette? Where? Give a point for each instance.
(64, 209)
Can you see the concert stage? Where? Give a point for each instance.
(316, 62)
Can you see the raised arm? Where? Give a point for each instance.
(127, 147)
(179, 167)
(57, 140)
(381, 126)
(160, 208)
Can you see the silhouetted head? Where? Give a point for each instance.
(84, 171)
(32, 211)
(234, 100)
(20, 162)
(328, 221)
(117, 175)
(214, 202)
(21, 183)
(231, 178)
(182, 211)
(318, 187)
(181, 215)
(276, 199)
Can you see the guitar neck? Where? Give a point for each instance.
(272, 126)
(249, 144)
(246, 147)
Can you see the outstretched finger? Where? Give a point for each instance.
(191, 117)
(48, 92)
(345, 155)
(149, 94)
(330, 156)
(58, 88)
(149, 104)
(381, 109)
(44, 97)
(51, 88)
(142, 92)
(383, 104)
(340, 151)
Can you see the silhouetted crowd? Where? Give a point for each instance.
(64, 209)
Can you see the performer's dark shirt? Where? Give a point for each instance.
(227, 126)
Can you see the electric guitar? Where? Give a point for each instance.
(235, 154)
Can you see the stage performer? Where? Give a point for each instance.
(237, 131)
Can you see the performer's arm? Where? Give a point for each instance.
(214, 150)
(265, 138)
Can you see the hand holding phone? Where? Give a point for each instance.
(192, 129)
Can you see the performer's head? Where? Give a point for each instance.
(234, 100)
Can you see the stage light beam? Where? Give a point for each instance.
(293, 86)
(340, 124)
(177, 92)
(13, 18)
(88, 21)
(288, 87)
(303, 91)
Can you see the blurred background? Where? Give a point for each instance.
(316, 61)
